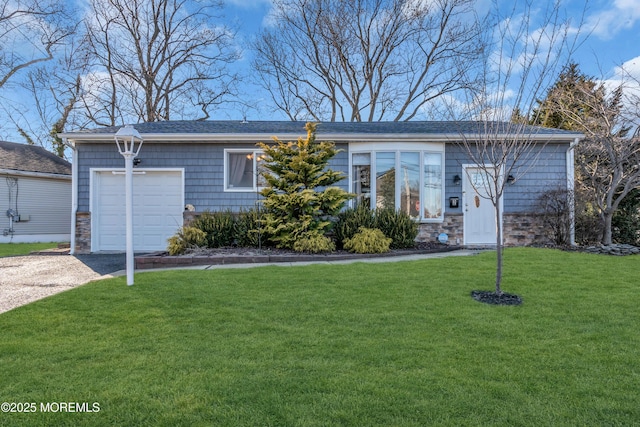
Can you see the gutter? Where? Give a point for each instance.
(337, 137)
(74, 194)
(34, 174)
(571, 188)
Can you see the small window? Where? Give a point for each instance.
(241, 170)
(362, 178)
(432, 196)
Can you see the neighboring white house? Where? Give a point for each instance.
(35, 195)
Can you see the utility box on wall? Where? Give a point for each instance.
(454, 202)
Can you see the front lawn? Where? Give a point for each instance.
(13, 249)
(400, 344)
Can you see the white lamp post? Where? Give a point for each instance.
(126, 139)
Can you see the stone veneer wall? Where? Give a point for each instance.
(452, 226)
(83, 232)
(519, 229)
(522, 229)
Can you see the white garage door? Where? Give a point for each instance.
(158, 204)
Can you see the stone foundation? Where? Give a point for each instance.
(519, 229)
(452, 226)
(523, 229)
(83, 233)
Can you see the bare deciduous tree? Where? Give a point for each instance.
(609, 158)
(55, 90)
(30, 30)
(153, 59)
(365, 60)
(530, 47)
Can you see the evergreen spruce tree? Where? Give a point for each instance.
(299, 196)
(575, 92)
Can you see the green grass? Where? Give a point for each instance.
(13, 249)
(398, 344)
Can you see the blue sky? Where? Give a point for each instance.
(613, 29)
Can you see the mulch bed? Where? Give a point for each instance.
(490, 297)
(237, 255)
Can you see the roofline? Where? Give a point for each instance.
(35, 174)
(338, 137)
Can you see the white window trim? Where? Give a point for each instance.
(397, 148)
(255, 153)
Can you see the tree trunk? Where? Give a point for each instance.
(607, 233)
(498, 251)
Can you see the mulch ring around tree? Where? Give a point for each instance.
(491, 297)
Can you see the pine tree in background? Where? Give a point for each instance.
(299, 196)
(575, 92)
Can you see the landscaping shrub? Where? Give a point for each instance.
(248, 230)
(349, 221)
(555, 209)
(394, 224)
(218, 226)
(314, 242)
(626, 220)
(299, 195)
(186, 238)
(368, 241)
(398, 226)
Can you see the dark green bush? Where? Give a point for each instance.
(626, 220)
(368, 241)
(248, 230)
(394, 224)
(349, 221)
(398, 226)
(218, 226)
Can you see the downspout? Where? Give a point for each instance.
(74, 194)
(570, 190)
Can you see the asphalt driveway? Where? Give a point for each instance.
(24, 279)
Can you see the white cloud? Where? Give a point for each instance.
(622, 15)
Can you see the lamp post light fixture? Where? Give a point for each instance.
(129, 142)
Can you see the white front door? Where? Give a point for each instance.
(479, 212)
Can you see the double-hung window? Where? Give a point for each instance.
(408, 179)
(242, 170)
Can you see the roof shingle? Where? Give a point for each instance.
(289, 127)
(31, 158)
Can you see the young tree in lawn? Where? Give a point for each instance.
(529, 48)
(299, 195)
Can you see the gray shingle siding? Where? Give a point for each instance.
(203, 165)
(549, 172)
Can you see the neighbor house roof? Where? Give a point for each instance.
(250, 130)
(30, 158)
